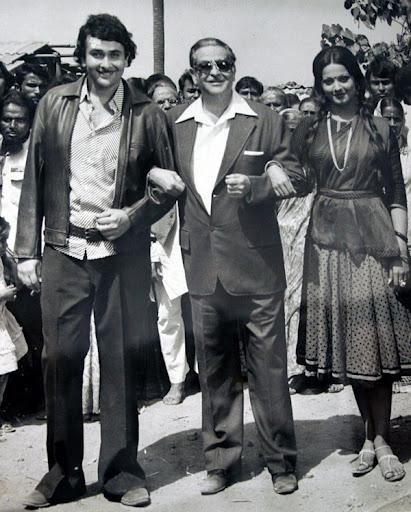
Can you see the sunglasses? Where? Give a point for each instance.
(205, 67)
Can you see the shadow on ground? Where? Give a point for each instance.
(179, 455)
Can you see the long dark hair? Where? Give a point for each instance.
(342, 56)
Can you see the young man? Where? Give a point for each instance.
(250, 88)
(92, 144)
(33, 81)
(233, 260)
(188, 87)
(380, 77)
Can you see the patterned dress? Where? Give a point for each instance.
(352, 326)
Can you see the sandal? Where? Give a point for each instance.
(7, 428)
(365, 462)
(387, 465)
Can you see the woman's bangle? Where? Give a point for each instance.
(404, 259)
(401, 236)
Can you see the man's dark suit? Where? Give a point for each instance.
(234, 269)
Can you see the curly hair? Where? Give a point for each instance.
(107, 28)
(342, 56)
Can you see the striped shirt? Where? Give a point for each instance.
(93, 168)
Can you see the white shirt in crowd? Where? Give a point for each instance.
(12, 180)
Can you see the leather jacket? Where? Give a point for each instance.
(45, 193)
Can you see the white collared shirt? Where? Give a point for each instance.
(210, 142)
(12, 180)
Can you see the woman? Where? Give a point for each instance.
(352, 325)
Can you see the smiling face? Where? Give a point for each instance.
(214, 82)
(338, 85)
(105, 62)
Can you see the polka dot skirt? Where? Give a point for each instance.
(352, 326)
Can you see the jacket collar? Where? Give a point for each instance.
(74, 90)
(237, 105)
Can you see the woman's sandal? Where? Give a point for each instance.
(365, 462)
(386, 463)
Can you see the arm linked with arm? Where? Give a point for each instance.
(154, 204)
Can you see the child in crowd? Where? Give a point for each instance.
(12, 343)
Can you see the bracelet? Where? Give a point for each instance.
(273, 162)
(404, 259)
(401, 236)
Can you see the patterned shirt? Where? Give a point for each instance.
(93, 168)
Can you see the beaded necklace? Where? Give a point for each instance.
(330, 142)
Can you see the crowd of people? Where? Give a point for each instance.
(282, 218)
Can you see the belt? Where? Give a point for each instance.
(90, 234)
(347, 194)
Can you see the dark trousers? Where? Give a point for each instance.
(215, 328)
(117, 288)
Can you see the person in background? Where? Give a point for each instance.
(403, 94)
(33, 81)
(158, 79)
(292, 118)
(352, 326)
(6, 80)
(12, 343)
(187, 85)
(169, 282)
(250, 88)
(25, 392)
(274, 98)
(292, 101)
(380, 78)
(309, 107)
(164, 96)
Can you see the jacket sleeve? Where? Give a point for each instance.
(152, 206)
(31, 212)
(393, 178)
(282, 155)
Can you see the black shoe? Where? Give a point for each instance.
(284, 483)
(36, 499)
(214, 482)
(136, 497)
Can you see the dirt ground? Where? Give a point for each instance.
(328, 431)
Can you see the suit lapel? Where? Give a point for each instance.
(185, 138)
(240, 129)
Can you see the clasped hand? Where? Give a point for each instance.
(280, 181)
(238, 185)
(168, 181)
(112, 223)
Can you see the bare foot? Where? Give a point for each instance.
(391, 468)
(175, 395)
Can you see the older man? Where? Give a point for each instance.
(233, 260)
(92, 145)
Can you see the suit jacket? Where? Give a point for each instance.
(239, 243)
